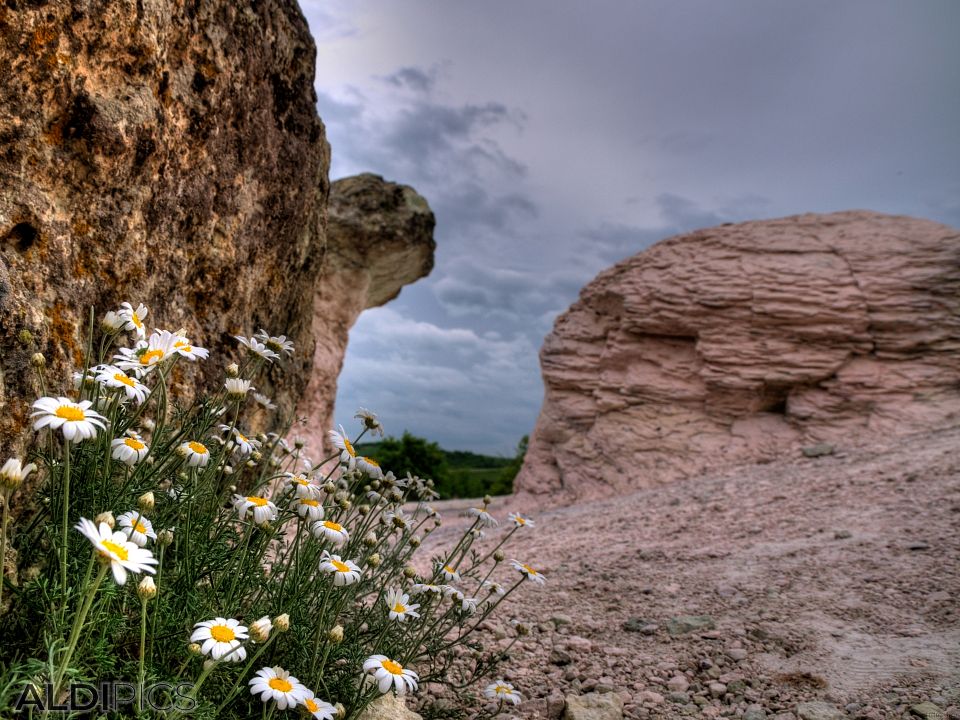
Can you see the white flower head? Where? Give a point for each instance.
(278, 344)
(184, 348)
(130, 449)
(133, 319)
(399, 607)
(260, 629)
(389, 673)
(301, 487)
(117, 550)
(494, 588)
(13, 473)
(262, 509)
(528, 572)
(319, 709)
(348, 454)
(329, 530)
(485, 519)
(310, 509)
(263, 401)
(240, 444)
(196, 454)
(76, 421)
(370, 421)
(148, 354)
(112, 322)
(421, 588)
(275, 683)
(116, 379)
(370, 467)
(502, 692)
(222, 639)
(345, 572)
(136, 527)
(237, 388)
(450, 574)
(257, 348)
(520, 521)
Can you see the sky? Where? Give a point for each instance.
(553, 138)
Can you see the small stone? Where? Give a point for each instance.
(755, 712)
(842, 535)
(689, 623)
(678, 683)
(680, 698)
(818, 450)
(927, 711)
(593, 706)
(820, 711)
(918, 545)
(560, 657)
(555, 705)
(718, 689)
(651, 697)
(388, 707)
(737, 654)
(635, 624)
(559, 620)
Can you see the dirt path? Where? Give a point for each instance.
(834, 579)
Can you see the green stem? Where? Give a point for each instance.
(66, 511)
(78, 626)
(143, 642)
(3, 544)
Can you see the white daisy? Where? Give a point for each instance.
(450, 574)
(275, 683)
(115, 378)
(502, 692)
(320, 709)
(520, 521)
(136, 527)
(528, 572)
(132, 319)
(184, 348)
(257, 348)
(76, 421)
(239, 443)
(468, 604)
(345, 572)
(263, 401)
(302, 487)
(260, 629)
(389, 673)
(399, 604)
(112, 322)
(129, 450)
(196, 454)
(370, 421)
(148, 354)
(13, 473)
(485, 518)
(348, 455)
(278, 344)
(370, 466)
(117, 549)
(421, 588)
(493, 587)
(260, 507)
(222, 639)
(310, 509)
(329, 530)
(237, 387)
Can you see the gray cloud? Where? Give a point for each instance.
(413, 78)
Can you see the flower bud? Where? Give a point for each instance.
(233, 370)
(106, 517)
(147, 589)
(364, 510)
(146, 502)
(399, 522)
(415, 541)
(228, 470)
(487, 500)
(336, 634)
(340, 710)
(256, 455)
(209, 665)
(148, 424)
(374, 560)
(370, 539)
(282, 622)
(260, 629)
(299, 442)
(194, 648)
(498, 556)
(38, 360)
(329, 488)
(344, 504)
(12, 474)
(523, 629)
(164, 537)
(409, 571)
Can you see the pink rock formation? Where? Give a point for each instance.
(742, 343)
(379, 238)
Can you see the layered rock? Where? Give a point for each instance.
(380, 238)
(165, 153)
(745, 342)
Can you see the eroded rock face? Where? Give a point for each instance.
(742, 343)
(380, 238)
(165, 153)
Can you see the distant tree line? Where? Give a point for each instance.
(456, 473)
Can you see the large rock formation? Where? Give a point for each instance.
(168, 153)
(743, 342)
(380, 238)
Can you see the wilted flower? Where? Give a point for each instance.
(12, 474)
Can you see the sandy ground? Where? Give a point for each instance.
(832, 579)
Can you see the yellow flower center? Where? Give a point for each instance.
(341, 567)
(198, 448)
(120, 377)
(299, 480)
(185, 348)
(140, 527)
(330, 525)
(311, 705)
(258, 501)
(151, 356)
(311, 503)
(521, 521)
(222, 633)
(501, 690)
(529, 569)
(372, 461)
(449, 569)
(133, 444)
(119, 550)
(400, 608)
(242, 438)
(349, 447)
(136, 320)
(280, 684)
(70, 413)
(394, 668)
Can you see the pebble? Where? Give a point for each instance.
(755, 712)
(927, 711)
(737, 654)
(820, 711)
(717, 689)
(678, 683)
(684, 624)
(842, 535)
(593, 706)
(651, 697)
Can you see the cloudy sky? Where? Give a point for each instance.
(555, 137)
